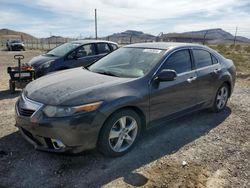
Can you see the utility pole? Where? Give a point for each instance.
(204, 41)
(236, 30)
(95, 25)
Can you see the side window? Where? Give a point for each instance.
(85, 50)
(214, 59)
(179, 61)
(202, 58)
(103, 48)
(114, 47)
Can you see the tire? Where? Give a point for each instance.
(221, 98)
(119, 133)
(12, 87)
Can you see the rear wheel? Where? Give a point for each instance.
(119, 133)
(221, 98)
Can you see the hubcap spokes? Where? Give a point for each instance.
(222, 98)
(123, 133)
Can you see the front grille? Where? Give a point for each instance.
(26, 112)
(27, 107)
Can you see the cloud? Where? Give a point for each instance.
(77, 16)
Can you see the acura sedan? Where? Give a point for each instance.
(109, 104)
(70, 55)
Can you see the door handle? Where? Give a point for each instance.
(216, 71)
(191, 79)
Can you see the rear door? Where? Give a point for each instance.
(208, 69)
(170, 97)
(102, 49)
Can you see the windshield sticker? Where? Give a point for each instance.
(155, 51)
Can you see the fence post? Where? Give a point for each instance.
(49, 43)
(41, 41)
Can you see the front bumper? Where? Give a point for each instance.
(74, 134)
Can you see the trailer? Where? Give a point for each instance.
(20, 75)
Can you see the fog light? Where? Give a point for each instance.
(57, 144)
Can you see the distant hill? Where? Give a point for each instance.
(213, 35)
(56, 39)
(130, 36)
(6, 34)
(217, 35)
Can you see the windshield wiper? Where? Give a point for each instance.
(50, 55)
(107, 73)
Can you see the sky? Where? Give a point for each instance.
(75, 18)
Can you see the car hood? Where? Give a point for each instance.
(71, 87)
(38, 60)
(17, 43)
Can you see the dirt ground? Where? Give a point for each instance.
(199, 150)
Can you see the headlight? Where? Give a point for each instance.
(46, 65)
(55, 111)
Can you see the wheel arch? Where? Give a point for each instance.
(229, 87)
(227, 79)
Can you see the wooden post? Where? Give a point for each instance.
(235, 35)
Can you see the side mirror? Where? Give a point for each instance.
(166, 75)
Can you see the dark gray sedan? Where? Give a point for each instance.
(70, 55)
(109, 104)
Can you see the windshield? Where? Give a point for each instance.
(15, 41)
(128, 62)
(63, 49)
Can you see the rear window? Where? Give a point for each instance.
(103, 48)
(202, 58)
(114, 47)
(214, 59)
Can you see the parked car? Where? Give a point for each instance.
(71, 55)
(109, 104)
(13, 45)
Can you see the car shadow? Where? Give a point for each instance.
(7, 95)
(90, 169)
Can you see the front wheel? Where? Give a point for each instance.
(119, 133)
(221, 98)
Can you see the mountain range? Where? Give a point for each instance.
(214, 35)
(217, 35)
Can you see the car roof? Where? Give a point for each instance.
(92, 41)
(162, 45)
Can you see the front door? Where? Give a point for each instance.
(170, 97)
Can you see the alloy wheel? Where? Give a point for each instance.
(222, 97)
(123, 133)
